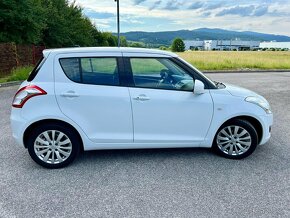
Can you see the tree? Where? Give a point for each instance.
(123, 41)
(178, 45)
(21, 21)
(109, 39)
(66, 25)
(53, 23)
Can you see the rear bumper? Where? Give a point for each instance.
(17, 125)
(267, 122)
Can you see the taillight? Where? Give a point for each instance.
(26, 93)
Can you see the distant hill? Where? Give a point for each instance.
(165, 38)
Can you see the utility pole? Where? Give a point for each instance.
(118, 21)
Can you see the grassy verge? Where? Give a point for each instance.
(20, 73)
(235, 60)
(206, 60)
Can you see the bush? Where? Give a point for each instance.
(18, 74)
(163, 48)
(136, 45)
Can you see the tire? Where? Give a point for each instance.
(53, 145)
(236, 139)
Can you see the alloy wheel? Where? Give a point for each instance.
(52, 147)
(234, 140)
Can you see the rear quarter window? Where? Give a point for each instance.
(36, 69)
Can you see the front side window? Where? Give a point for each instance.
(97, 71)
(160, 73)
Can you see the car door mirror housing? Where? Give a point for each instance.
(198, 87)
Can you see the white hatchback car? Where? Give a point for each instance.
(123, 98)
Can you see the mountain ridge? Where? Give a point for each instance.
(166, 37)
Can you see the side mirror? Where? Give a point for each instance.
(198, 87)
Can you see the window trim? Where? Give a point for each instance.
(126, 76)
(118, 62)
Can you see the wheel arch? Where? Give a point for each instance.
(32, 126)
(252, 120)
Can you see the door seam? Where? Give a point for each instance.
(132, 114)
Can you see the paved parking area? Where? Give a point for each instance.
(155, 183)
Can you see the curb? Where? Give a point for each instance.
(246, 71)
(2, 85)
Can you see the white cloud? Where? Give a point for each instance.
(145, 15)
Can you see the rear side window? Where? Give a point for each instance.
(91, 70)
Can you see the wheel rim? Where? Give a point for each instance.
(52, 147)
(234, 140)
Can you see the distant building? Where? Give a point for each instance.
(221, 45)
(280, 45)
(194, 44)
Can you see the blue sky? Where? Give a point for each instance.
(267, 16)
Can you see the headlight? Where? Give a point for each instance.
(260, 102)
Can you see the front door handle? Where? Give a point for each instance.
(70, 94)
(142, 98)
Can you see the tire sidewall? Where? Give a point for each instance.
(70, 134)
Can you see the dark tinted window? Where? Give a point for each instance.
(34, 72)
(97, 71)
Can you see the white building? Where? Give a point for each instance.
(222, 45)
(280, 45)
(192, 44)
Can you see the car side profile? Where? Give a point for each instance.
(123, 98)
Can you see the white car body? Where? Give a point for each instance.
(114, 117)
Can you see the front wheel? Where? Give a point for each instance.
(53, 146)
(236, 139)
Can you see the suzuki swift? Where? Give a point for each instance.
(122, 98)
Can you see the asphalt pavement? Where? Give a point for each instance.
(155, 183)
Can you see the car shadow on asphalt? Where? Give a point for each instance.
(200, 156)
(145, 154)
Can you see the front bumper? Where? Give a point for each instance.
(267, 122)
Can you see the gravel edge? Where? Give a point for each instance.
(10, 84)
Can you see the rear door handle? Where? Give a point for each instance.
(142, 98)
(70, 94)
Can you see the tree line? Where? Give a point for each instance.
(53, 23)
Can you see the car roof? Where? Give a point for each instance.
(47, 52)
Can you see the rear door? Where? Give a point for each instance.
(88, 91)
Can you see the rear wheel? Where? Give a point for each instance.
(236, 139)
(53, 146)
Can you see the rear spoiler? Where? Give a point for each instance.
(46, 53)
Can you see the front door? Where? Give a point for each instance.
(165, 110)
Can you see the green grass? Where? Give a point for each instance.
(203, 60)
(238, 60)
(18, 74)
